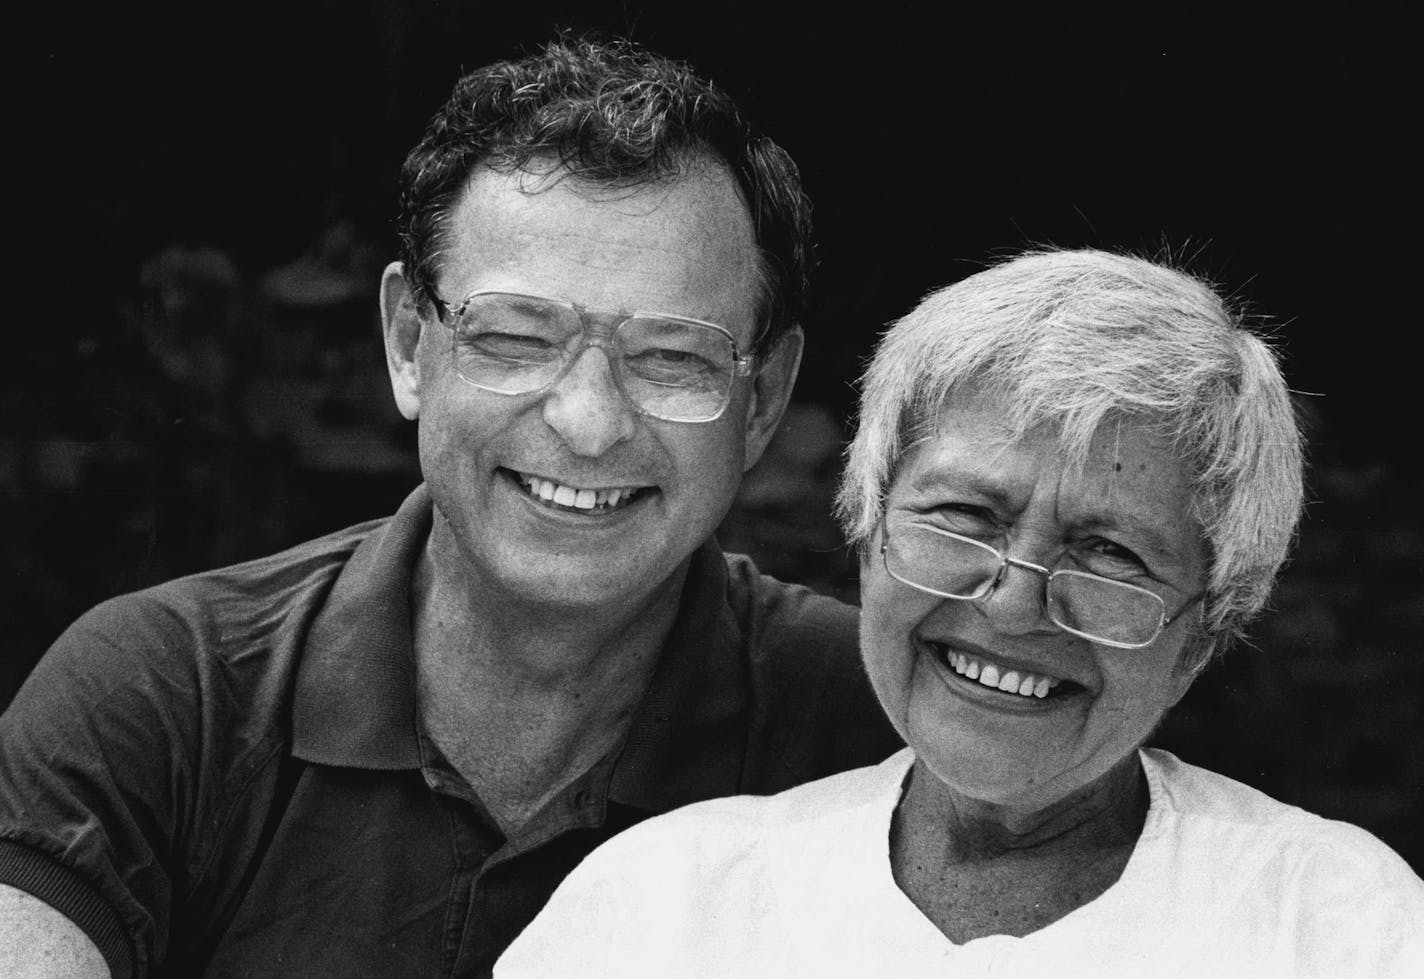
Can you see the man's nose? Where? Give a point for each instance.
(586, 408)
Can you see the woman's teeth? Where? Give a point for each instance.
(1021, 682)
(574, 498)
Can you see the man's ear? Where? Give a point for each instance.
(401, 326)
(771, 393)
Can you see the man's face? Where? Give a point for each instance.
(684, 248)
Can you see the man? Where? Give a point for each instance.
(378, 753)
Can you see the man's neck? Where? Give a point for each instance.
(522, 700)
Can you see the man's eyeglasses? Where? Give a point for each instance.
(668, 367)
(1113, 613)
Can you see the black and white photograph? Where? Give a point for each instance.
(631, 489)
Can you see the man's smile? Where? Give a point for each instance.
(562, 496)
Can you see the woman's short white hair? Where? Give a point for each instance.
(1071, 339)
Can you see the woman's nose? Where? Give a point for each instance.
(1016, 603)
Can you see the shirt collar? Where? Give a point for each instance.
(355, 699)
(354, 704)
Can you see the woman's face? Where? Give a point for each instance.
(1124, 515)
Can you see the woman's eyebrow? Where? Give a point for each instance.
(959, 478)
(1142, 534)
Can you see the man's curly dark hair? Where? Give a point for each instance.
(610, 112)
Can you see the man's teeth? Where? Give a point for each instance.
(1023, 683)
(580, 499)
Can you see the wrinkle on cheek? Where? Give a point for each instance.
(891, 669)
(1115, 722)
(910, 667)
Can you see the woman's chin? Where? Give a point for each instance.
(992, 776)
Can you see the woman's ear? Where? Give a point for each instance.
(401, 326)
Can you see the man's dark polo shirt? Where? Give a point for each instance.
(225, 775)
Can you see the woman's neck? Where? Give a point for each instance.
(977, 868)
(1108, 812)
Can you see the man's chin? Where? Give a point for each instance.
(583, 584)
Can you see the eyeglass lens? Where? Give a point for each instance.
(958, 567)
(668, 368)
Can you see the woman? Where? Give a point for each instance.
(1075, 478)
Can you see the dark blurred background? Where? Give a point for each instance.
(206, 200)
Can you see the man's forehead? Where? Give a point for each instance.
(700, 185)
(695, 170)
(682, 245)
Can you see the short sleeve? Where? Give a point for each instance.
(94, 772)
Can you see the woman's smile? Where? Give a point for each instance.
(994, 681)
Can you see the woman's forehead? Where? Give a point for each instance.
(974, 444)
(983, 430)
(1131, 475)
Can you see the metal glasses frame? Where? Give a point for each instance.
(1163, 621)
(741, 366)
